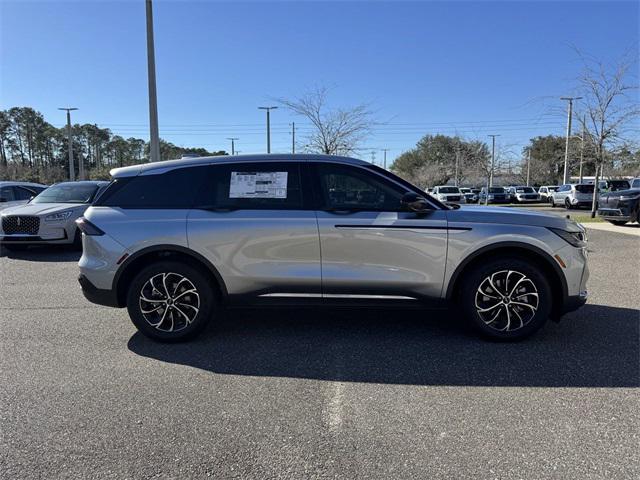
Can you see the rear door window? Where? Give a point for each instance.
(252, 186)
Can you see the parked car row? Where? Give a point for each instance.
(48, 215)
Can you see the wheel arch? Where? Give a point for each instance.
(135, 262)
(532, 253)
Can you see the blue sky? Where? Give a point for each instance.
(471, 68)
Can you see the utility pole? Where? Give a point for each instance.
(268, 109)
(233, 144)
(72, 169)
(565, 178)
(373, 157)
(385, 150)
(455, 177)
(154, 136)
(490, 176)
(584, 120)
(528, 164)
(293, 137)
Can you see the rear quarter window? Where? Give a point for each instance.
(174, 189)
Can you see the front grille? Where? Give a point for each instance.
(499, 197)
(28, 225)
(453, 198)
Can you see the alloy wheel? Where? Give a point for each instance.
(169, 302)
(506, 300)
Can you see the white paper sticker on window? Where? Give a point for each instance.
(258, 185)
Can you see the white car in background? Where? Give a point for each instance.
(522, 194)
(13, 194)
(448, 193)
(546, 191)
(469, 195)
(573, 195)
(50, 217)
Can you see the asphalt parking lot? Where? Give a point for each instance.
(316, 393)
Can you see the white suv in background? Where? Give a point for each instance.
(573, 195)
(448, 193)
(13, 194)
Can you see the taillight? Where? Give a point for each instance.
(88, 228)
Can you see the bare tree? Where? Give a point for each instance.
(335, 132)
(609, 107)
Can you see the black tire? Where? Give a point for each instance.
(617, 222)
(16, 248)
(206, 307)
(567, 205)
(477, 277)
(552, 202)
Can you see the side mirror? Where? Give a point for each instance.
(414, 202)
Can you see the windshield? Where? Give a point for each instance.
(448, 190)
(584, 188)
(496, 190)
(525, 190)
(553, 189)
(465, 190)
(67, 193)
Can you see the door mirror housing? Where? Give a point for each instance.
(414, 202)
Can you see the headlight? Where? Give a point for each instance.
(627, 197)
(577, 239)
(58, 217)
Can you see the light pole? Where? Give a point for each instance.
(565, 178)
(490, 176)
(384, 164)
(233, 144)
(154, 136)
(293, 137)
(72, 169)
(584, 120)
(268, 109)
(528, 164)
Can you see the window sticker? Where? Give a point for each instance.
(258, 185)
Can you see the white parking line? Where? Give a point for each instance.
(333, 410)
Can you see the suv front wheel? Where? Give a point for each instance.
(506, 299)
(170, 301)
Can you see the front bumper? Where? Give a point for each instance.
(614, 214)
(574, 302)
(108, 298)
(34, 239)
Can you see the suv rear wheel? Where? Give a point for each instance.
(506, 299)
(170, 301)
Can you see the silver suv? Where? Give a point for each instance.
(175, 241)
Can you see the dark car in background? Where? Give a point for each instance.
(620, 207)
(496, 195)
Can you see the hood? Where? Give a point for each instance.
(506, 215)
(44, 208)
